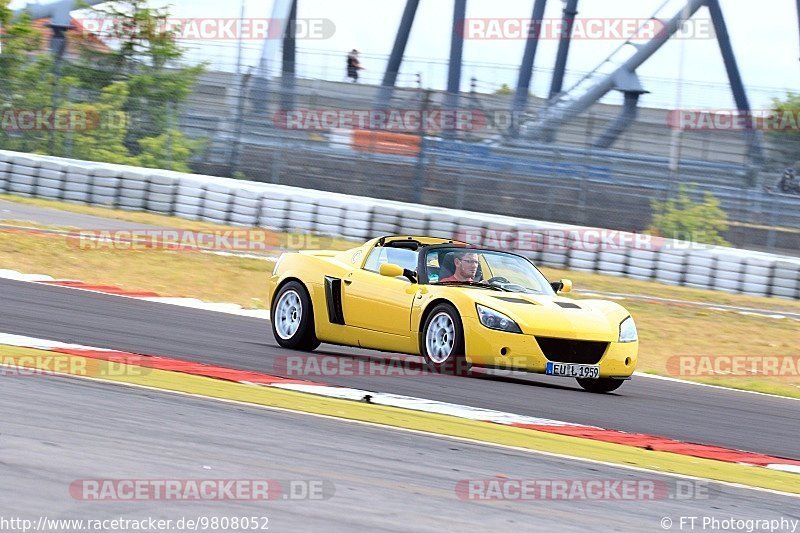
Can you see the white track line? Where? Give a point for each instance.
(428, 406)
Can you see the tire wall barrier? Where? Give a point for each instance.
(284, 208)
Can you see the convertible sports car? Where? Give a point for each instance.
(455, 305)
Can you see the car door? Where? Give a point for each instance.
(378, 303)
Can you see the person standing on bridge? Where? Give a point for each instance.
(353, 65)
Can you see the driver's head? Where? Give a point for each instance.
(466, 266)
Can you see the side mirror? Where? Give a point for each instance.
(391, 270)
(564, 285)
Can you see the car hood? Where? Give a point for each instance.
(556, 316)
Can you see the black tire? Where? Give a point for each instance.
(293, 325)
(454, 362)
(600, 385)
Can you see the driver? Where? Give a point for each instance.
(466, 264)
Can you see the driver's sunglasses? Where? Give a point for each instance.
(469, 261)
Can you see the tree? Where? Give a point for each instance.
(504, 90)
(785, 143)
(169, 150)
(18, 38)
(147, 46)
(106, 141)
(25, 84)
(682, 218)
(127, 98)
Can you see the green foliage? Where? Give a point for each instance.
(504, 90)
(143, 34)
(682, 218)
(154, 98)
(26, 83)
(19, 38)
(106, 142)
(786, 144)
(128, 96)
(171, 147)
(5, 12)
(147, 45)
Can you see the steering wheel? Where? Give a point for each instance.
(498, 279)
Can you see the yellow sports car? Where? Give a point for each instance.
(455, 305)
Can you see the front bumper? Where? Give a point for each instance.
(516, 351)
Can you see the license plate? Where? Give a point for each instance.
(573, 371)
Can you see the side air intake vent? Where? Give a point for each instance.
(567, 305)
(333, 298)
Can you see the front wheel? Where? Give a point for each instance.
(442, 341)
(599, 385)
(292, 318)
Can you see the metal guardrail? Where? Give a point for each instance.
(284, 208)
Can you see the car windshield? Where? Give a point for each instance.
(489, 268)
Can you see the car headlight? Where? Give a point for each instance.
(494, 320)
(627, 331)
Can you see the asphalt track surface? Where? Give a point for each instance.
(643, 405)
(57, 430)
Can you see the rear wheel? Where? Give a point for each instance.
(600, 385)
(442, 341)
(292, 318)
